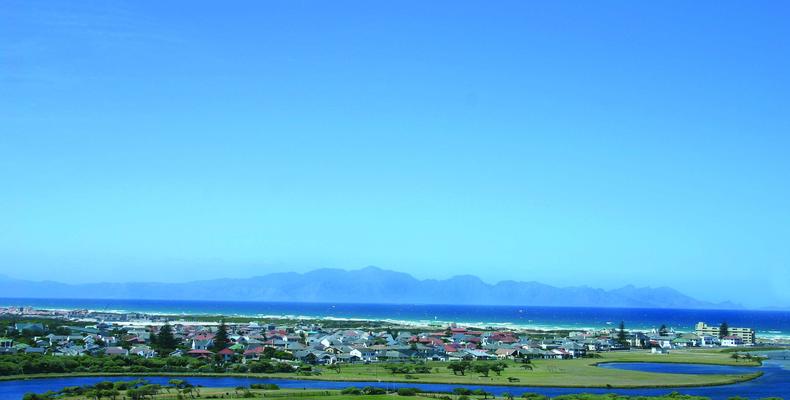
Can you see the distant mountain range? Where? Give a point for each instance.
(367, 285)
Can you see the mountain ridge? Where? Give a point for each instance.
(366, 285)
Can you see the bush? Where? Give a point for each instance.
(408, 391)
(370, 390)
(34, 396)
(351, 390)
(264, 386)
(7, 368)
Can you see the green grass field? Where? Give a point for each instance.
(560, 373)
(565, 373)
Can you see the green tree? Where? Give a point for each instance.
(663, 330)
(482, 369)
(165, 342)
(621, 337)
(724, 330)
(458, 367)
(498, 367)
(221, 338)
(303, 338)
(9, 368)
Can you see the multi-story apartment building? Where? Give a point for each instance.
(746, 334)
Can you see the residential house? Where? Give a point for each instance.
(732, 341)
(30, 327)
(143, 351)
(226, 355)
(506, 353)
(205, 344)
(200, 353)
(116, 351)
(35, 350)
(365, 354)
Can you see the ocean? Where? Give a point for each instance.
(766, 323)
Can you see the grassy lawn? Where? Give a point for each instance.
(560, 373)
(565, 373)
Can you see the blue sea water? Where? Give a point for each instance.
(766, 323)
(774, 382)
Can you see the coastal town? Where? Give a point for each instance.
(90, 333)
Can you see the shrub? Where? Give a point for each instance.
(408, 391)
(351, 390)
(370, 390)
(264, 386)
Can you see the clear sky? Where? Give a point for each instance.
(568, 142)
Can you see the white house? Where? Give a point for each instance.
(731, 341)
(709, 341)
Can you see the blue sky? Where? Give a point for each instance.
(572, 143)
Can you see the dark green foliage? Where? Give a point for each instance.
(14, 364)
(351, 390)
(164, 342)
(34, 396)
(482, 369)
(408, 391)
(367, 390)
(7, 368)
(370, 390)
(111, 390)
(498, 367)
(724, 330)
(221, 339)
(271, 352)
(621, 336)
(459, 367)
(268, 368)
(264, 386)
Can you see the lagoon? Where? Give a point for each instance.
(774, 382)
